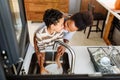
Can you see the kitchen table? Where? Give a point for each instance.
(109, 5)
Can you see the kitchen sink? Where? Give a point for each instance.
(49, 59)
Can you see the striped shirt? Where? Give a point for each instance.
(44, 39)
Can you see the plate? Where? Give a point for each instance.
(53, 69)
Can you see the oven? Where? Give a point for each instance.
(114, 35)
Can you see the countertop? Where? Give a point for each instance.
(109, 5)
(83, 64)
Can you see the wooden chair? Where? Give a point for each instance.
(96, 17)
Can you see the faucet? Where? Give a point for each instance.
(71, 71)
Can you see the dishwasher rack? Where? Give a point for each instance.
(111, 59)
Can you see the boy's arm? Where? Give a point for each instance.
(61, 49)
(38, 53)
(35, 45)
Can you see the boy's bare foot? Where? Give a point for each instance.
(44, 71)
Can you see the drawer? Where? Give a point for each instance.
(39, 7)
(42, 1)
(63, 8)
(35, 16)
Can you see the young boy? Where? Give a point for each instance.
(45, 37)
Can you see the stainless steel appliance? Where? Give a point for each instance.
(114, 35)
(13, 35)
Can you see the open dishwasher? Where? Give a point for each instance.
(106, 60)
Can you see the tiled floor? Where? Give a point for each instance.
(79, 38)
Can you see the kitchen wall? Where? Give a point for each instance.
(74, 6)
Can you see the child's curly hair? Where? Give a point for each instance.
(52, 16)
(82, 20)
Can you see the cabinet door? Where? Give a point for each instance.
(35, 16)
(38, 7)
(63, 5)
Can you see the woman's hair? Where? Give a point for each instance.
(52, 16)
(82, 20)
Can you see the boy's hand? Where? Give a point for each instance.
(61, 50)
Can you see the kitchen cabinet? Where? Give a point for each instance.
(35, 8)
